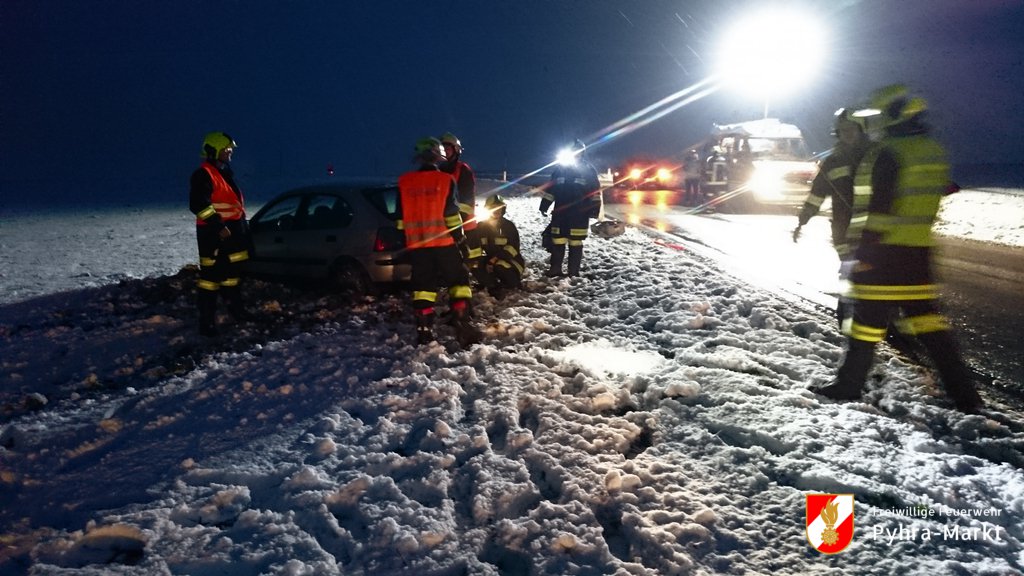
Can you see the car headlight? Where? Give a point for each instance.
(766, 183)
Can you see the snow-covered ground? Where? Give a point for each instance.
(649, 418)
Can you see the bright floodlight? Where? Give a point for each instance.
(566, 157)
(774, 52)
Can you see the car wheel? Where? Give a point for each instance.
(348, 276)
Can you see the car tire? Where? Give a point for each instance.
(349, 277)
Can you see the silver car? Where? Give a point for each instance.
(341, 233)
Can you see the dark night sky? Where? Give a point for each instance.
(110, 99)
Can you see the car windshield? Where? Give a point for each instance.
(778, 149)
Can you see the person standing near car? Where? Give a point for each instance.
(905, 177)
(693, 170)
(428, 214)
(575, 192)
(221, 232)
(503, 264)
(465, 183)
(835, 180)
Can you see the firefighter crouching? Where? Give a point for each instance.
(503, 264)
(835, 180)
(429, 216)
(576, 194)
(221, 232)
(905, 176)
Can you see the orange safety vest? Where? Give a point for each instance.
(424, 196)
(225, 201)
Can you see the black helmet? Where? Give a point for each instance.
(846, 116)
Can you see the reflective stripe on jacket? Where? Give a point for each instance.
(224, 200)
(426, 217)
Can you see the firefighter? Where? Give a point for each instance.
(576, 194)
(835, 180)
(693, 170)
(503, 264)
(905, 176)
(429, 216)
(221, 232)
(465, 182)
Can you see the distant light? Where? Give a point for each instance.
(636, 173)
(775, 52)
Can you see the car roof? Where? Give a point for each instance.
(338, 187)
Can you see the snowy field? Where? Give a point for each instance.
(649, 418)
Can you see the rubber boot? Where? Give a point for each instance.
(853, 372)
(557, 256)
(207, 304)
(575, 260)
(465, 332)
(424, 327)
(956, 376)
(233, 295)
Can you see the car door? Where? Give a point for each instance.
(324, 235)
(273, 231)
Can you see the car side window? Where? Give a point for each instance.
(385, 200)
(327, 211)
(278, 217)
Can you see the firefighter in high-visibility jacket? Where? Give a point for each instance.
(503, 264)
(465, 185)
(905, 176)
(835, 180)
(221, 232)
(576, 194)
(428, 214)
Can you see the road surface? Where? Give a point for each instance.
(982, 283)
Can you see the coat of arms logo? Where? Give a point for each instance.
(829, 522)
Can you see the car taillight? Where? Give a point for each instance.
(636, 173)
(388, 240)
(664, 175)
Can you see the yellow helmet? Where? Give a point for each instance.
(896, 105)
(215, 143)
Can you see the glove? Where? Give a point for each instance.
(796, 232)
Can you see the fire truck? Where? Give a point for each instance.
(756, 164)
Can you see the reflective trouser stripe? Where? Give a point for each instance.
(207, 285)
(923, 324)
(228, 282)
(476, 253)
(424, 295)
(238, 256)
(881, 292)
(861, 332)
(207, 262)
(461, 291)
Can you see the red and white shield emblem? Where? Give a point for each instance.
(829, 522)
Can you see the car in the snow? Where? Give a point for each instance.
(759, 163)
(342, 233)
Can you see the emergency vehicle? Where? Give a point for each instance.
(758, 163)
